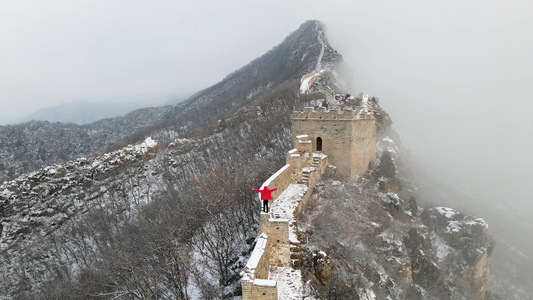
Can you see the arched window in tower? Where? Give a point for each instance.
(318, 144)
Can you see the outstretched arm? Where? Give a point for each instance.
(257, 190)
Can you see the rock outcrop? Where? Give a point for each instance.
(370, 238)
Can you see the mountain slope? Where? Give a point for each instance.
(175, 220)
(286, 63)
(82, 112)
(29, 146)
(53, 222)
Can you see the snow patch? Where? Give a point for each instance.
(285, 205)
(368, 294)
(482, 222)
(264, 282)
(279, 172)
(259, 249)
(304, 86)
(446, 211)
(149, 142)
(443, 250)
(290, 284)
(388, 140)
(454, 226)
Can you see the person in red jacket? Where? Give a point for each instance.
(266, 195)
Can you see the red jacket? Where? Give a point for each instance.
(266, 194)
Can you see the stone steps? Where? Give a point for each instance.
(315, 163)
(305, 176)
(295, 254)
(296, 263)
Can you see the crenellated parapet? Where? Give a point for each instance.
(347, 136)
(324, 113)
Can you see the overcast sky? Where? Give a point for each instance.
(53, 52)
(454, 75)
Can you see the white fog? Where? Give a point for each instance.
(454, 76)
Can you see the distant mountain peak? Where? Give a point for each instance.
(285, 64)
(296, 56)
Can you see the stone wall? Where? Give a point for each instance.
(348, 139)
(278, 244)
(335, 135)
(316, 172)
(278, 228)
(298, 161)
(259, 289)
(348, 136)
(274, 245)
(255, 283)
(363, 145)
(314, 177)
(280, 180)
(257, 266)
(324, 113)
(264, 290)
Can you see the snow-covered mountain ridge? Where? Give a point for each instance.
(34, 195)
(179, 221)
(36, 144)
(33, 145)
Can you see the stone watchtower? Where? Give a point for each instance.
(347, 136)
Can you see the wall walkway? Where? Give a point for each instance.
(272, 271)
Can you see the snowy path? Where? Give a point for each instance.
(285, 206)
(287, 202)
(307, 80)
(290, 283)
(321, 55)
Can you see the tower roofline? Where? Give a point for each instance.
(332, 114)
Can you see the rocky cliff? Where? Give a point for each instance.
(370, 239)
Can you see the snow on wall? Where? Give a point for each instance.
(257, 267)
(308, 80)
(290, 284)
(280, 180)
(255, 283)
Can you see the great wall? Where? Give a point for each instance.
(345, 138)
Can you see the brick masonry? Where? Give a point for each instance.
(348, 136)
